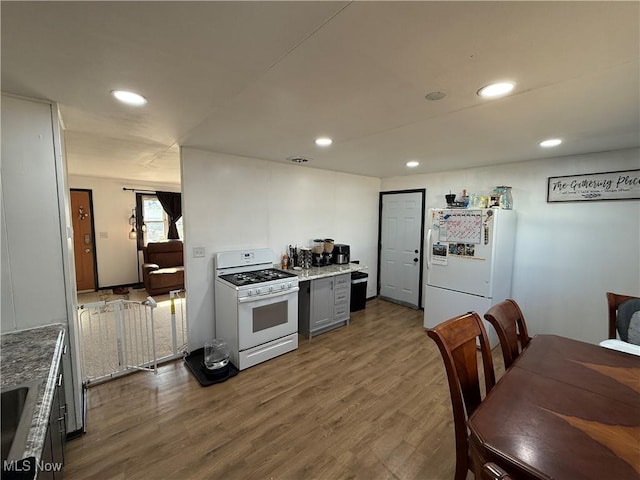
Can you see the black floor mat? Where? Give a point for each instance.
(195, 363)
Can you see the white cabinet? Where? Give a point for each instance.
(324, 304)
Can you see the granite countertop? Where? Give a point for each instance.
(314, 273)
(33, 355)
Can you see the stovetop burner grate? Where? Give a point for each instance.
(256, 276)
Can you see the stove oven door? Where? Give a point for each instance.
(267, 317)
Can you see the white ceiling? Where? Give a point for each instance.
(264, 79)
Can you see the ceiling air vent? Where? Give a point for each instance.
(298, 159)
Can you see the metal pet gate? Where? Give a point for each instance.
(122, 336)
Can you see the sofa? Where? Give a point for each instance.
(163, 268)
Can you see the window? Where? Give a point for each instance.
(156, 220)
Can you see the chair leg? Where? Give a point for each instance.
(462, 465)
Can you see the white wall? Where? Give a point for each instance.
(33, 279)
(233, 203)
(567, 255)
(115, 252)
(38, 282)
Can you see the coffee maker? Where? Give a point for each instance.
(341, 254)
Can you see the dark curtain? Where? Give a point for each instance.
(172, 205)
(139, 222)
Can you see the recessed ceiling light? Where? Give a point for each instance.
(130, 98)
(494, 90)
(552, 142)
(323, 141)
(412, 164)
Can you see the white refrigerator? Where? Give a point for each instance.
(469, 263)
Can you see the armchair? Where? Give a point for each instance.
(163, 268)
(623, 311)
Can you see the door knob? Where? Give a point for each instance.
(415, 251)
(87, 250)
(415, 259)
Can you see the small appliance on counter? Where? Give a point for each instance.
(318, 246)
(321, 259)
(322, 252)
(328, 251)
(341, 254)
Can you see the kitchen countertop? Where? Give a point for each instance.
(33, 355)
(314, 273)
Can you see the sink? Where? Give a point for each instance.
(17, 404)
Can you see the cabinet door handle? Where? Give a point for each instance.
(64, 349)
(59, 380)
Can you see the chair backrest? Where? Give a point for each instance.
(164, 254)
(508, 321)
(614, 300)
(456, 340)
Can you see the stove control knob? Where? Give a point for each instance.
(271, 288)
(282, 286)
(250, 292)
(258, 291)
(289, 285)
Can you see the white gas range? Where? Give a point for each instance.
(256, 306)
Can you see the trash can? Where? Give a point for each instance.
(358, 290)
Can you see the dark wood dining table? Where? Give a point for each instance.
(565, 410)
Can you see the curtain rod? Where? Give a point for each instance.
(138, 191)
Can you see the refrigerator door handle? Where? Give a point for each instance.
(429, 249)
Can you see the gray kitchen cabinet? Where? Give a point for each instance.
(323, 304)
(53, 449)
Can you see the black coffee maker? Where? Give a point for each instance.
(341, 254)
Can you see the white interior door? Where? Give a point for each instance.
(401, 226)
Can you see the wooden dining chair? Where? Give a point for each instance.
(508, 321)
(456, 340)
(614, 300)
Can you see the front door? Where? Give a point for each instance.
(83, 241)
(401, 231)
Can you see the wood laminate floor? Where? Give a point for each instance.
(368, 401)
